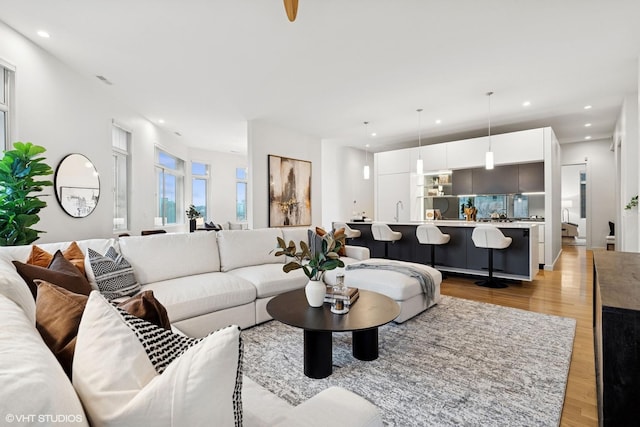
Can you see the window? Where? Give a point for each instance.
(199, 185)
(5, 104)
(241, 194)
(121, 140)
(169, 182)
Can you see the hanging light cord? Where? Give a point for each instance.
(489, 95)
(366, 135)
(419, 110)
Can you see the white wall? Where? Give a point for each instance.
(552, 186)
(343, 183)
(627, 155)
(601, 200)
(70, 113)
(266, 138)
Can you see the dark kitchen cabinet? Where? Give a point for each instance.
(461, 180)
(531, 177)
(500, 180)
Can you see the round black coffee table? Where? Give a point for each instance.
(369, 311)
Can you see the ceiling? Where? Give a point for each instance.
(208, 66)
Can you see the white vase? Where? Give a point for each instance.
(315, 291)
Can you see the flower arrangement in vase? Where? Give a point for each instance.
(314, 261)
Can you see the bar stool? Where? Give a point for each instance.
(383, 233)
(349, 232)
(429, 234)
(490, 237)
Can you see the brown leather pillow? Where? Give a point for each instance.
(321, 232)
(147, 307)
(42, 258)
(60, 272)
(59, 311)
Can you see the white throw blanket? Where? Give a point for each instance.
(422, 275)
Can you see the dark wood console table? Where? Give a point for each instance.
(616, 321)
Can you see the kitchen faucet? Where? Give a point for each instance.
(398, 207)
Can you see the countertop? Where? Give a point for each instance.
(461, 223)
(618, 277)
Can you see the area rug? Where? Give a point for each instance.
(459, 363)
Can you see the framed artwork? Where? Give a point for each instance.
(79, 201)
(289, 192)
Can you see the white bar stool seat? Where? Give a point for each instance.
(490, 237)
(429, 234)
(383, 233)
(349, 232)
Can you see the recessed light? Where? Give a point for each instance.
(367, 145)
(587, 107)
(587, 137)
(526, 103)
(587, 125)
(161, 121)
(374, 134)
(438, 121)
(43, 34)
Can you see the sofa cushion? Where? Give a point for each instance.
(60, 272)
(33, 381)
(167, 256)
(192, 296)
(269, 279)
(242, 248)
(42, 258)
(395, 285)
(295, 234)
(113, 274)
(199, 385)
(58, 314)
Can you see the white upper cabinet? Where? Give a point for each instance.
(518, 147)
(394, 195)
(398, 161)
(434, 157)
(469, 153)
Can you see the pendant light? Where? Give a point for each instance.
(488, 158)
(365, 171)
(419, 163)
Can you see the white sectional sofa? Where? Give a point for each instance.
(206, 281)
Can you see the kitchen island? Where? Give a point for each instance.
(517, 262)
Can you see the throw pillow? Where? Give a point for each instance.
(58, 314)
(113, 274)
(42, 258)
(60, 272)
(129, 372)
(321, 232)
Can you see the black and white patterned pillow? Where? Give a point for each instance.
(114, 275)
(163, 347)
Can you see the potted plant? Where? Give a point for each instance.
(18, 209)
(193, 214)
(314, 262)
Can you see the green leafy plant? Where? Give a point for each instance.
(18, 209)
(193, 213)
(313, 263)
(632, 203)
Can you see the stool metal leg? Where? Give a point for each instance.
(490, 282)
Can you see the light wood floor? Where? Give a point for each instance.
(566, 291)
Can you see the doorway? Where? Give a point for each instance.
(574, 204)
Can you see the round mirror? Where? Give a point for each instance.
(77, 185)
